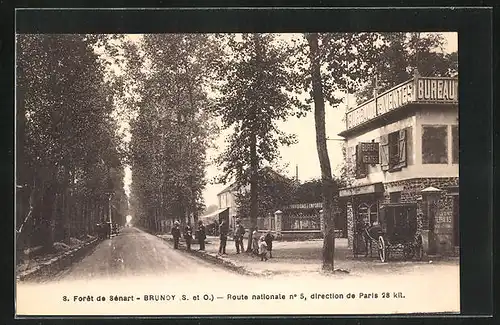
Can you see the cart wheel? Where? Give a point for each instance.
(419, 249)
(382, 250)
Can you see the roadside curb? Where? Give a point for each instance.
(215, 259)
(59, 262)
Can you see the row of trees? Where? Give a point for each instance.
(68, 162)
(173, 127)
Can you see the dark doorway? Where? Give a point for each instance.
(456, 218)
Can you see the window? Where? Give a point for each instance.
(434, 144)
(393, 150)
(455, 149)
(361, 168)
(395, 197)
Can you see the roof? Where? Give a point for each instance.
(229, 188)
(210, 217)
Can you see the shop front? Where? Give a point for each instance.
(362, 206)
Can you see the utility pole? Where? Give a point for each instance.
(109, 212)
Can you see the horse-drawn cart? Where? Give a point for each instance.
(396, 231)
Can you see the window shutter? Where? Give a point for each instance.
(402, 148)
(384, 152)
(409, 146)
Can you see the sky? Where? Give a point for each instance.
(303, 154)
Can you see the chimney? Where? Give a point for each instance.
(297, 172)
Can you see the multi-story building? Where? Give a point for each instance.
(402, 147)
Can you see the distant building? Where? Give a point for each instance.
(228, 208)
(402, 147)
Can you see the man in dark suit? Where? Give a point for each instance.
(223, 230)
(188, 235)
(201, 235)
(176, 233)
(239, 232)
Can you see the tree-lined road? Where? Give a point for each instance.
(134, 252)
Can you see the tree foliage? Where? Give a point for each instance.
(400, 54)
(254, 94)
(63, 105)
(275, 192)
(172, 129)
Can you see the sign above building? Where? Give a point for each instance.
(318, 205)
(417, 90)
(437, 89)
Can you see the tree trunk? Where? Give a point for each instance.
(254, 160)
(67, 206)
(195, 209)
(324, 160)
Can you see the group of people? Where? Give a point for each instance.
(188, 235)
(261, 244)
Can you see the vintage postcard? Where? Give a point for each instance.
(237, 174)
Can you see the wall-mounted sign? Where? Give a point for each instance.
(437, 89)
(318, 205)
(417, 90)
(368, 152)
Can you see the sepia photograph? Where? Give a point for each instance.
(237, 173)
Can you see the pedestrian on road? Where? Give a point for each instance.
(108, 230)
(269, 241)
(201, 235)
(239, 232)
(176, 233)
(188, 235)
(223, 230)
(262, 249)
(255, 241)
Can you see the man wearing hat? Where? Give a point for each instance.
(239, 232)
(223, 230)
(188, 235)
(201, 235)
(176, 233)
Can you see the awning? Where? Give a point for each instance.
(211, 217)
(364, 189)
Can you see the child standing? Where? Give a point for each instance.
(255, 241)
(263, 249)
(269, 241)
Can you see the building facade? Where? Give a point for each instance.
(402, 147)
(227, 200)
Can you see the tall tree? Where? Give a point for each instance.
(334, 62)
(253, 96)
